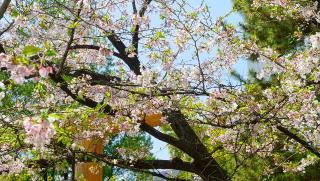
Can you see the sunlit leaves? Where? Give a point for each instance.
(30, 50)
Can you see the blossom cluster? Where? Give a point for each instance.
(8, 163)
(38, 134)
(185, 61)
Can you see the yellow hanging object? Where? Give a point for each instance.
(153, 120)
(93, 145)
(91, 171)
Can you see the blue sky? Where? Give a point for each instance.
(218, 8)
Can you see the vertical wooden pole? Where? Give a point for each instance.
(73, 166)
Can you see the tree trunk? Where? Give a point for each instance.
(207, 167)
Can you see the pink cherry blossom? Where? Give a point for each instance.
(38, 134)
(43, 72)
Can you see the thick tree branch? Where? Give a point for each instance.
(4, 7)
(84, 100)
(208, 168)
(2, 49)
(157, 174)
(299, 140)
(93, 47)
(184, 132)
(134, 7)
(7, 28)
(176, 164)
(132, 62)
(117, 43)
(161, 136)
(163, 164)
(135, 36)
(144, 7)
(184, 146)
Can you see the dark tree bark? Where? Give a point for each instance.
(4, 7)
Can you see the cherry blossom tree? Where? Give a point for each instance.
(73, 70)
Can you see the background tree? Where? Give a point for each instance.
(268, 26)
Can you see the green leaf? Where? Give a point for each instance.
(47, 44)
(23, 33)
(132, 29)
(30, 50)
(51, 53)
(14, 13)
(22, 60)
(80, 96)
(55, 116)
(160, 35)
(194, 15)
(43, 26)
(206, 8)
(107, 171)
(106, 18)
(67, 78)
(73, 25)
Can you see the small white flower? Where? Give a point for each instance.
(2, 95)
(115, 161)
(315, 40)
(2, 86)
(73, 146)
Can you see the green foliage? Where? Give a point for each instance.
(30, 50)
(260, 25)
(132, 143)
(21, 177)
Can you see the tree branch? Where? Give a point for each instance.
(84, 100)
(183, 130)
(299, 140)
(133, 63)
(161, 136)
(176, 164)
(134, 7)
(2, 49)
(135, 37)
(161, 176)
(72, 32)
(6, 29)
(4, 7)
(208, 167)
(93, 47)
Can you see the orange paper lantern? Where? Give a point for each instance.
(153, 119)
(92, 145)
(91, 171)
